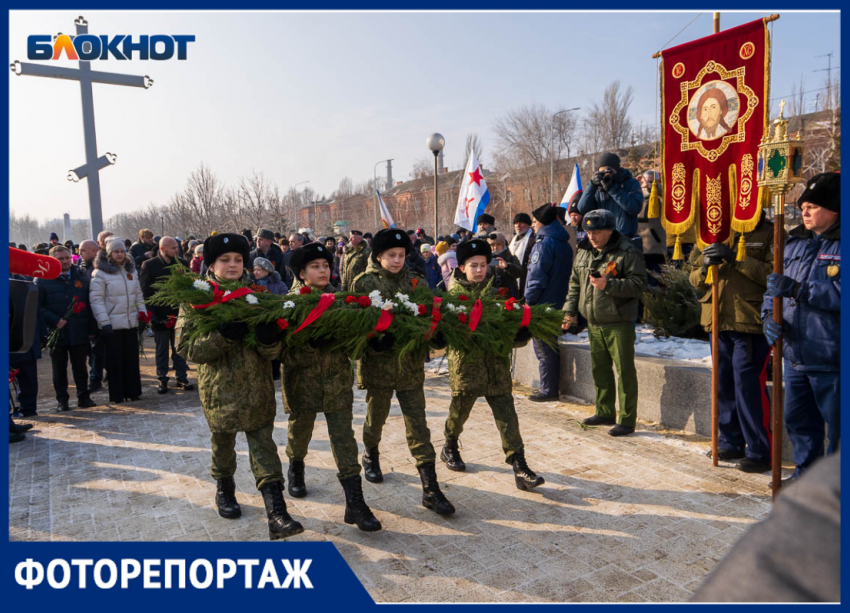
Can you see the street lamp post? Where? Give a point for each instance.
(435, 143)
(551, 159)
(375, 185)
(295, 212)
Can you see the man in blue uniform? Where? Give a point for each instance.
(811, 322)
(548, 279)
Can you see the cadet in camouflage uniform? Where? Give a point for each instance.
(488, 376)
(318, 380)
(381, 372)
(237, 394)
(354, 260)
(743, 405)
(607, 281)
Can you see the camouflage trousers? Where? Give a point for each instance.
(262, 451)
(504, 413)
(343, 443)
(412, 404)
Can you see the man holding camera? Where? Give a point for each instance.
(615, 189)
(608, 279)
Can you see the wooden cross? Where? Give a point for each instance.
(86, 76)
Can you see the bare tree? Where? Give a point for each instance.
(473, 145)
(423, 167)
(609, 119)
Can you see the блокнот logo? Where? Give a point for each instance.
(89, 47)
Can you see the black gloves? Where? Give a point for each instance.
(438, 341)
(523, 335)
(717, 253)
(385, 343)
(320, 343)
(234, 331)
(597, 178)
(607, 181)
(267, 333)
(106, 331)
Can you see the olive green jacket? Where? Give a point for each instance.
(385, 370)
(489, 375)
(741, 285)
(354, 263)
(234, 381)
(618, 302)
(316, 380)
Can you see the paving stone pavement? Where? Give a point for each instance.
(634, 519)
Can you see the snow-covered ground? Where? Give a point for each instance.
(438, 366)
(685, 349)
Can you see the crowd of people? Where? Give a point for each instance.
(589, 259)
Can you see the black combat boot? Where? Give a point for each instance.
(225, 498)
(281, 524)
(526, 479)
(162, 388)
(356, 509)
(432, 497)
(451, 456)
(372, 466)
(295, 475)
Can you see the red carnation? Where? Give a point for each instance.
(144, 317)
(461, 317)
(78, 307)
(282, 323)
(463, 297)
(436, 315)
(171, 321)
(423, 309)
(509, 306)
(364, 301)
(305, 290)
(350, 299)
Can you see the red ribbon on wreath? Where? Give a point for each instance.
(325, 300)
(435, 317)
(219, 297)
(526, 316)
(384, 322)
(475, 315)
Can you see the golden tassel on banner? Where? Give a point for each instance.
(709, 276)
(742, 249)
(654, 208)
(677, 249)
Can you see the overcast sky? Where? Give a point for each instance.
(319, 96)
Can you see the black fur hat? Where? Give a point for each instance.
(476, 246)
(546, 214)
(218, 245)
(389, 238)
(823, 190)
(306, 254)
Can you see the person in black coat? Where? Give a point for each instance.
(55, 296)
(268, 249)
(164, 317)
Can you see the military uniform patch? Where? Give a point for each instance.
(535, 257)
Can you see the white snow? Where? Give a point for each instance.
(685, 349)
(437, 366)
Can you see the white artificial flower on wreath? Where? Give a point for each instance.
(402, 297)
(201, 285)
(388, 306)
(461, 309)
(251, 299)
(288, 305)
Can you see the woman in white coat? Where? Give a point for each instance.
(116, 300)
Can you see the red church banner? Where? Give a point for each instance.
(714, 94)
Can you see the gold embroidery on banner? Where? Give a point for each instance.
(679, 192)
(747, 50)
(678, 70)
(747, 167)
(741, 88)
(713, 210)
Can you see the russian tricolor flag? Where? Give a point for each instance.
(386, 220)
(572, 189)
